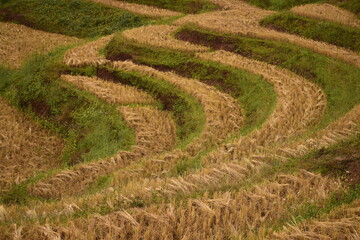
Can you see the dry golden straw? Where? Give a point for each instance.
(87, 54)
(18, 43)
(25, 148)
(327, 12)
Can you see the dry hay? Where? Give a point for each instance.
(87, 54)
(216, 217)
(160, 36)
(109, 91)
(18, 43)
(327, 12)
(25, 148)
(155, 129)
(139, 9)
(155, 132)
(341, 224)
(245, 21)
(340, 130)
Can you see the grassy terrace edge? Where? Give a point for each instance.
(338, 80)
(318, 30)
(255, 96)
(350, 5)
(78, 18)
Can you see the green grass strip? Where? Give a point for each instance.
(339, 81)
(185, 6)
(77, 18)
(350, 5)
(256, 96)
(319, 30)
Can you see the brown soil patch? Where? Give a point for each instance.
(344, 162)
(18, 43)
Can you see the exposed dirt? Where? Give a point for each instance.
(217, 42)
(343, 162)
(119, 57)
(7, 15)
(41, 108)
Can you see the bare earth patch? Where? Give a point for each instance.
(327, 12)
(17, 43)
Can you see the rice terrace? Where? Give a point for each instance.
(180, 120)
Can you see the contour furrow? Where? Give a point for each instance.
(155, 132)
(223, 114)
(300, 103)
(245, 21)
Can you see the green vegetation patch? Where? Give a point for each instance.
(339, 81)
(186, 111)
(185, 6)
(350, 5)
(319, 30)
(77, 18)
(256, 96)
(91, 128)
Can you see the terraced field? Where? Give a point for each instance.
(193, 120)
